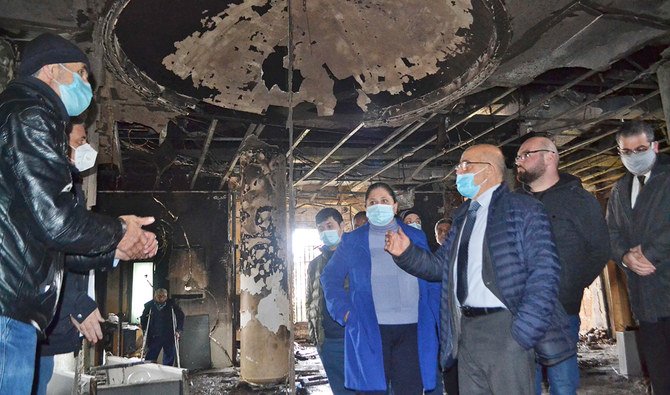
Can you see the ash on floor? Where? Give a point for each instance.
(597, 357)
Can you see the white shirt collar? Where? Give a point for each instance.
(484, 199)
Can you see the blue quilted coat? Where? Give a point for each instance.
(520, 267)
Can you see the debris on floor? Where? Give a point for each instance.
(597, 358)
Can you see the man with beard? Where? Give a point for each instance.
(639, 223)
(581, 239)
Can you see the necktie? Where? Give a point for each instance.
(641, 180)
(462, 265)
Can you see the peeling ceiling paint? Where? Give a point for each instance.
(379, 45)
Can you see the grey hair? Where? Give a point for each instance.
(160, 291)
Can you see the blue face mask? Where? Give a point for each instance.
(465, 184)
(330, 237)
(380, 214)
(77, 95)
(415, 225)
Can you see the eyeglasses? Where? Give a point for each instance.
(462, 166)
(627, 152)
(527, 154)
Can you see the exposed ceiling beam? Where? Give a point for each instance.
(205, 149)
(367, 155)
(331, 152)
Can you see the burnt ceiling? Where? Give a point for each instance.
(382, 90)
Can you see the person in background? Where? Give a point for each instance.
(442, 227)
(581, 238)
(638, 218)
(324, 332)
(41, 219)
(77, 310)
(390, 317)
(450, 372)
(360, 219)
(411, 218)
(158, 323)
(499, 270)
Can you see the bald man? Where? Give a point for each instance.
(499, 270)
(581, 237)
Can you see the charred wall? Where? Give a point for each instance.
(192, 229)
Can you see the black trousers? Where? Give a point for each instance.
(654, 338)
(450, 378)
(401, 359)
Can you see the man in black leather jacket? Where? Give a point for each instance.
(40, 217)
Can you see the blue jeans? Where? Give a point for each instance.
(564, 376)
(43, 374)
(332, 358)
(18, 346)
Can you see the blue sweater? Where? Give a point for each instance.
(363, 359)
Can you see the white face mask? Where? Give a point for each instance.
(641, 162)
(84, 157)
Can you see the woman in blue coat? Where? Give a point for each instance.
(390, 317)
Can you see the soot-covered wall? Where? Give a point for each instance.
(192, 229)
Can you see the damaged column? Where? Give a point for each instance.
(264, 302)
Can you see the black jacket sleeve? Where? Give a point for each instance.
(83, 263)
(42, 176)
(179, 315)
(421, 263)
(596, 234)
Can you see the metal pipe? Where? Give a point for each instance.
(297, 141)
(413, 129)
(586, 142)
(623, 84)
(510, 118)
(416, 127)
(367, 155)
(600, 173)
(203, 155)
(359, 185)
(580, 160)
(610, 178)
(331, 152)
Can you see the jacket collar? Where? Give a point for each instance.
(501, 190)
(45, 92)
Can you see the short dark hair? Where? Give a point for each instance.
(633, 129)
(360, 214)
(443, 221)
(382, 185)
(326, 213)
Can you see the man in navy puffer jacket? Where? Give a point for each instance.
(507, 313)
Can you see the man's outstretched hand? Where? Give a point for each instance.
(136, 243)
(90, 327)
(396, 242)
